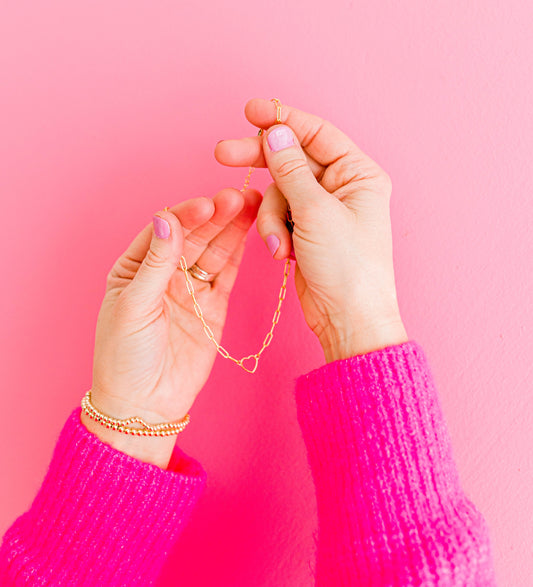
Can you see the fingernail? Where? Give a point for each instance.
(272, 243)
(292, 254)
(280, 137)
(161, 227)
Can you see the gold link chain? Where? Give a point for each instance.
(250, 362)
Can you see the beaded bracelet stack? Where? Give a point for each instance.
(165, 429)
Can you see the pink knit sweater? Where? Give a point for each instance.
(391, 510)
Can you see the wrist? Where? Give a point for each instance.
(149, 449)
(355, 338)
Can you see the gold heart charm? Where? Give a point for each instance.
(248, 358)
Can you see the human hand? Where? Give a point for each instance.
(152, 356)
(339, 200)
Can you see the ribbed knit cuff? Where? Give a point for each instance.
(101, 516)
(390, 507)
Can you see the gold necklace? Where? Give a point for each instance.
(250, 362)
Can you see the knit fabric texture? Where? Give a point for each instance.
(391, 511)
(101, 517)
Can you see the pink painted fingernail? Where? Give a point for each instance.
(161, 227)
(280, 137)
(272, 243)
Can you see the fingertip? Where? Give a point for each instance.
(249, 108)
(163, 218)
(227, 152)
(253, 108)
(216, 151)
(207, 206)
(287, 248)
(161, 225)
(279, 244)
(238, 196)
(280, 137)
(231, 199)
(253, 197)
(273, 242)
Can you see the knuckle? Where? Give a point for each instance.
(267, 221)
(291, 168)
(349, 170)
(112, 280)
(219, 251)
(154, 259)
(196, 240)
(312, 129)
(124, 267)
(115, 275)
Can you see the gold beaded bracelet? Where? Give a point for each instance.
(165, 429)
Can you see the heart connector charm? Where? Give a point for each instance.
(249, 358)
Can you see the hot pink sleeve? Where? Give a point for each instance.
(101, 517)
(391, 510)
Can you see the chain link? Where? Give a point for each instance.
(250, 362)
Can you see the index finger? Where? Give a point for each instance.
(249, 151)
(191, 214)
(323, 141)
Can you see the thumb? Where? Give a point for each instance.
(161, 260)
(289, 168)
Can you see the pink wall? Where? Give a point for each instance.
(110, 110)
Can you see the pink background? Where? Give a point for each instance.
(111, 110)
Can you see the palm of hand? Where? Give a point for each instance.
(343, 250)
(155, 357)
(165, 359)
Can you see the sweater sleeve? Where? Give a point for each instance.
(391, 510)
(101, 517)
